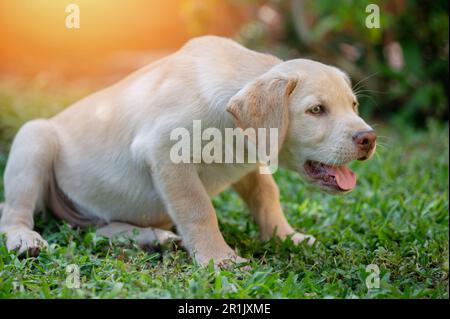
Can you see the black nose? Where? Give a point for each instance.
(365, 140)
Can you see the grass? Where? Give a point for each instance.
(397, 218)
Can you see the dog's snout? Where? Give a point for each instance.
(365, 140)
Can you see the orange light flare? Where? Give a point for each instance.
(34, 36)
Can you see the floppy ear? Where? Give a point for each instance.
(263, 103)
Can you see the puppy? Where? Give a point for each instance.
(105, 160)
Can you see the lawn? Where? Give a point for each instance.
(397, 218)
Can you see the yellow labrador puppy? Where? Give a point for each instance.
(105, 160)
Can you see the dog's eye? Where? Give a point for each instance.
(355, 107)
(317, 110)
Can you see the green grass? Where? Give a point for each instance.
(397, 218)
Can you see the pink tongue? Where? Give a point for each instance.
(344, 176)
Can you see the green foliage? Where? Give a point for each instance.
(335, 32)
(397, 218)
(21, 102)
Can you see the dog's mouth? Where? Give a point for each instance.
(335, 177)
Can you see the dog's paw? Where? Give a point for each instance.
(25, 242)
(165, 236)
(298, 238)
(226, 261)
(233, 262)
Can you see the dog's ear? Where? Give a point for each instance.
(263, 103)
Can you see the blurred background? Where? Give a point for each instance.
(400, 69)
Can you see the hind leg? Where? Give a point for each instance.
(26, 175)
(143, 235)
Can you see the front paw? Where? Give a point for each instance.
(298, 238)
(225, 260)
(25, 242)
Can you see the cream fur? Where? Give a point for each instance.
(110, 150)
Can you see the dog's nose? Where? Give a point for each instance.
(365, 140)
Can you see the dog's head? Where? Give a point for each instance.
(316, 113)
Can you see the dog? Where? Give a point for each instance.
(104, 161)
